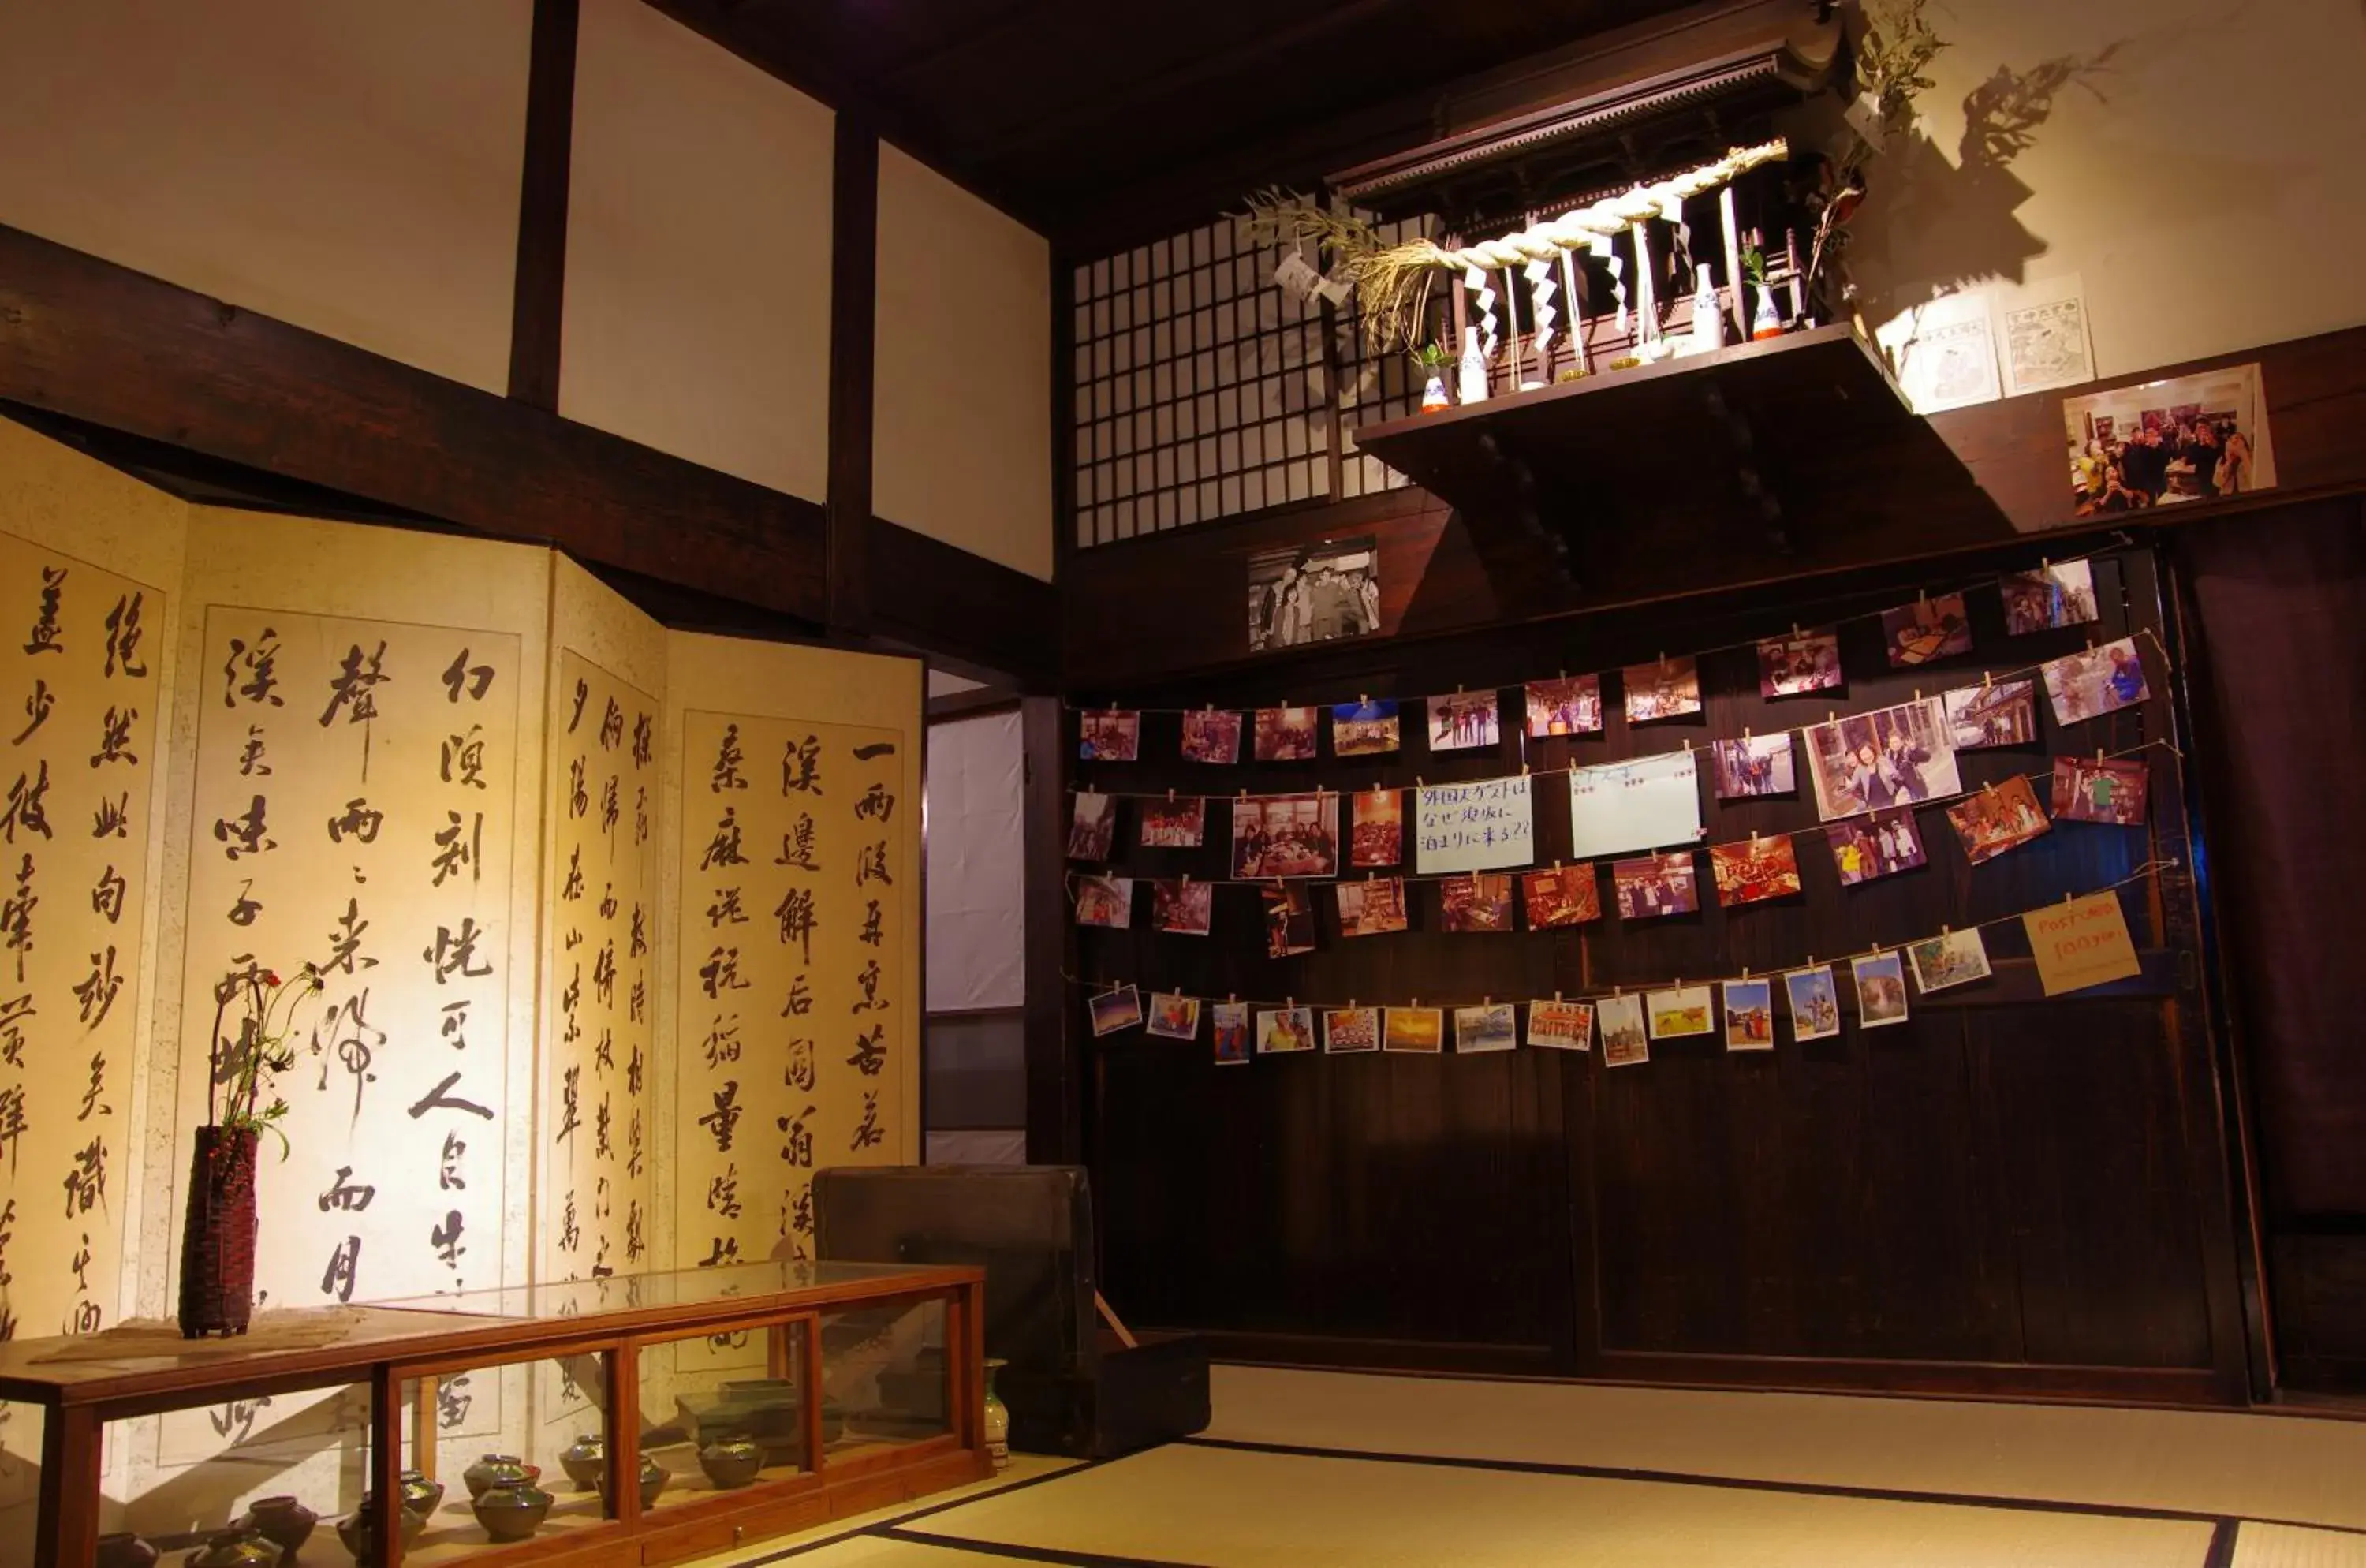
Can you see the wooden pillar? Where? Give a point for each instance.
(853, 338)
(537, 309)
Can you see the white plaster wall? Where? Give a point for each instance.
(698, 238)
(348, 166)
(2198, 167)
(961, 407)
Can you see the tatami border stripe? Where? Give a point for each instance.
(2222, 1544)
(1023, 1553)
(1748, 1483)
(859, 1531)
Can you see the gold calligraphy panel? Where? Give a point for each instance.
(600, 915)
(78, 708)
(795, 883)
(353, 799)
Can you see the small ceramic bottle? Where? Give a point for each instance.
(997, 1417)
(1709, 320)
(1768, 321)
(1474, 370)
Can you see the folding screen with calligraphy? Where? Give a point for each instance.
(352, 810)
(78, 726)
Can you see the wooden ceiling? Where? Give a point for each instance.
(1101, 123)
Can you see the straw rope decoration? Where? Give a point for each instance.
(1393, 281)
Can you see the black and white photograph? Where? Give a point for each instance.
(2186, 439)
(1114, 1011)
(2099, 681)
(1753, 766)
(1285, 835)
(1871, 761)
(1212, 735)
(1665, 688)
(1173, 824)
(1794, 666)
(2050, 597)
(1299, 596)
(1092, 829)
(1465, 720)
(1994, 713)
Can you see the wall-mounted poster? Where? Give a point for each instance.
(2188, 438)
(1364, 729)
(1474, 827)
(1569, 706)
(1298, 597)
(1285, 835)
(1620, 808)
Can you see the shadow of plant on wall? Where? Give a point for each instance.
(1936, 225)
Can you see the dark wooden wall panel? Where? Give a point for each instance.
(2004, 1195)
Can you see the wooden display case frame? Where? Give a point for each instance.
(389, 1346)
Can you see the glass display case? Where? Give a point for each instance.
(710, 1407)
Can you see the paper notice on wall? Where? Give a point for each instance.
(1643, 804)
(2080, 943)
(2045, 342)
(1475, 827)
(1945, 353)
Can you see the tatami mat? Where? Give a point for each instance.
(2261, 1467)
(1236, 1509)
(2285, 1546)
(1024, 1468)
(872, 1551)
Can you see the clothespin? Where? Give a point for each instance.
(1745, 735)
(1923, 596)
(1918, 693)
(1830, 717)
(1754, 844)
(1794, 629)
(1186, 879)
(1232, 999)
(2098, 756)
(1363, 697)
(1419, 782)
(1689, 745)
(2044, 564)
(1524, 770)
(1944, 931)
(1664, 658)
(1556, 996)
(1245, 794)
(1170, 797)
(1988, 679)
(1988, 789)
(1745, 972)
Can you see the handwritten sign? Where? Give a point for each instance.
(2081, 943)
(1643, 805)
(1475, 827)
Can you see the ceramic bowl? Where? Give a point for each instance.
(512, 1513)
(732, 1463)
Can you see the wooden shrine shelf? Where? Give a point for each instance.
(1751, 441)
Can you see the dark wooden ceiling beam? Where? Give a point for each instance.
(539, 305)
(101, 343)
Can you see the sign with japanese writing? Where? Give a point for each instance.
(78, 726)
(353, 807)
(1474, 827)
(2080, 943)
(789, 977)
(1646, 804)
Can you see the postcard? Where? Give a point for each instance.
(1561, 1026)
(1232, 1033)
(1346, 1030)
(1487, 1028)
(1569, 706)
(1092, 830)
(1951, 958)
(1749, 1015)
(1114, 1011)
(1418, 1030)
(1623, 1041)
(1815, 1003)
(2048, 598)
(1363, 728)
(1280, 1030)
(1173, 1016)
(1104, 901)
(1680, 1013)
(1880, 989)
